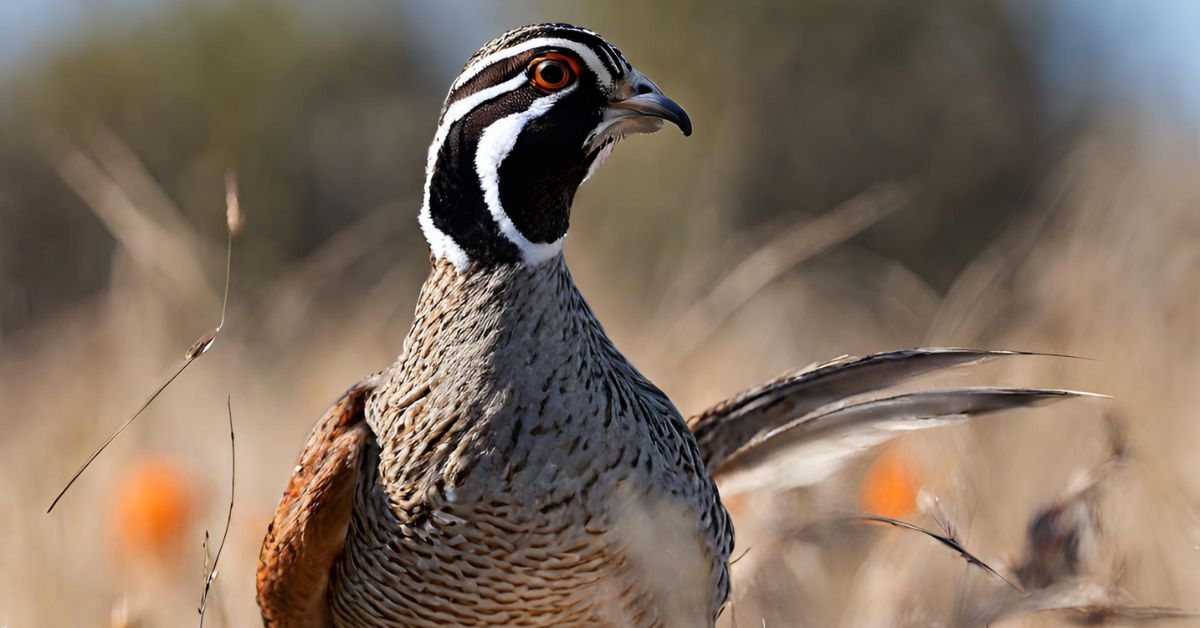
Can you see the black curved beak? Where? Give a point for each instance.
(655, 104)
(636, 106)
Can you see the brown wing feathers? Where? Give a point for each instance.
(309, 528)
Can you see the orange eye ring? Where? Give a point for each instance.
(552, 71)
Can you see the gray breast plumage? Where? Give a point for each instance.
(524, 473)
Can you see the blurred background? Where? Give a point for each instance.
(865, 175)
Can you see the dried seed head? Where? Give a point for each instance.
(233, 210)
(202, 344)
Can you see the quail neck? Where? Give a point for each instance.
(509, 407)
(530, 117)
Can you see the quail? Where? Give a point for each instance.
(512, 467)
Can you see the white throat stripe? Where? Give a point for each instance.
(495, 144)
(585, 53)
(442, 245)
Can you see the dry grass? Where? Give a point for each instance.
(1109, 270)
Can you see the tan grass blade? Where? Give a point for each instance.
(783, 253)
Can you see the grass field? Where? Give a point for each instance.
(718, 292)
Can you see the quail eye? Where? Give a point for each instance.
(551, 73)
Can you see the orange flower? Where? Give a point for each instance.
(890, 485)
(152, 509)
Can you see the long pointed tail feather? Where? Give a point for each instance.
(800, 428)
(808, 449)
(729, 425)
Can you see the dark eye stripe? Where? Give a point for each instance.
(494, 74)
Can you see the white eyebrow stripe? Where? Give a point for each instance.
(460, 108)
(442, 245)
(585, 53)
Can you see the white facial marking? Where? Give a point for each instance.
(497, 142)
(585, 53)
(442, 245)
(494, 145)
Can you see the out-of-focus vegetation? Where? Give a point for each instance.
(1019, 225)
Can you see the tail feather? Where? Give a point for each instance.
(808, 449)
(730, 425)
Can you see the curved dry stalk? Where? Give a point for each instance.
(197, 349)
(211, 572)
(944, 539)
(142, 408)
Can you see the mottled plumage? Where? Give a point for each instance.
(512, 467)
(512, 441)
